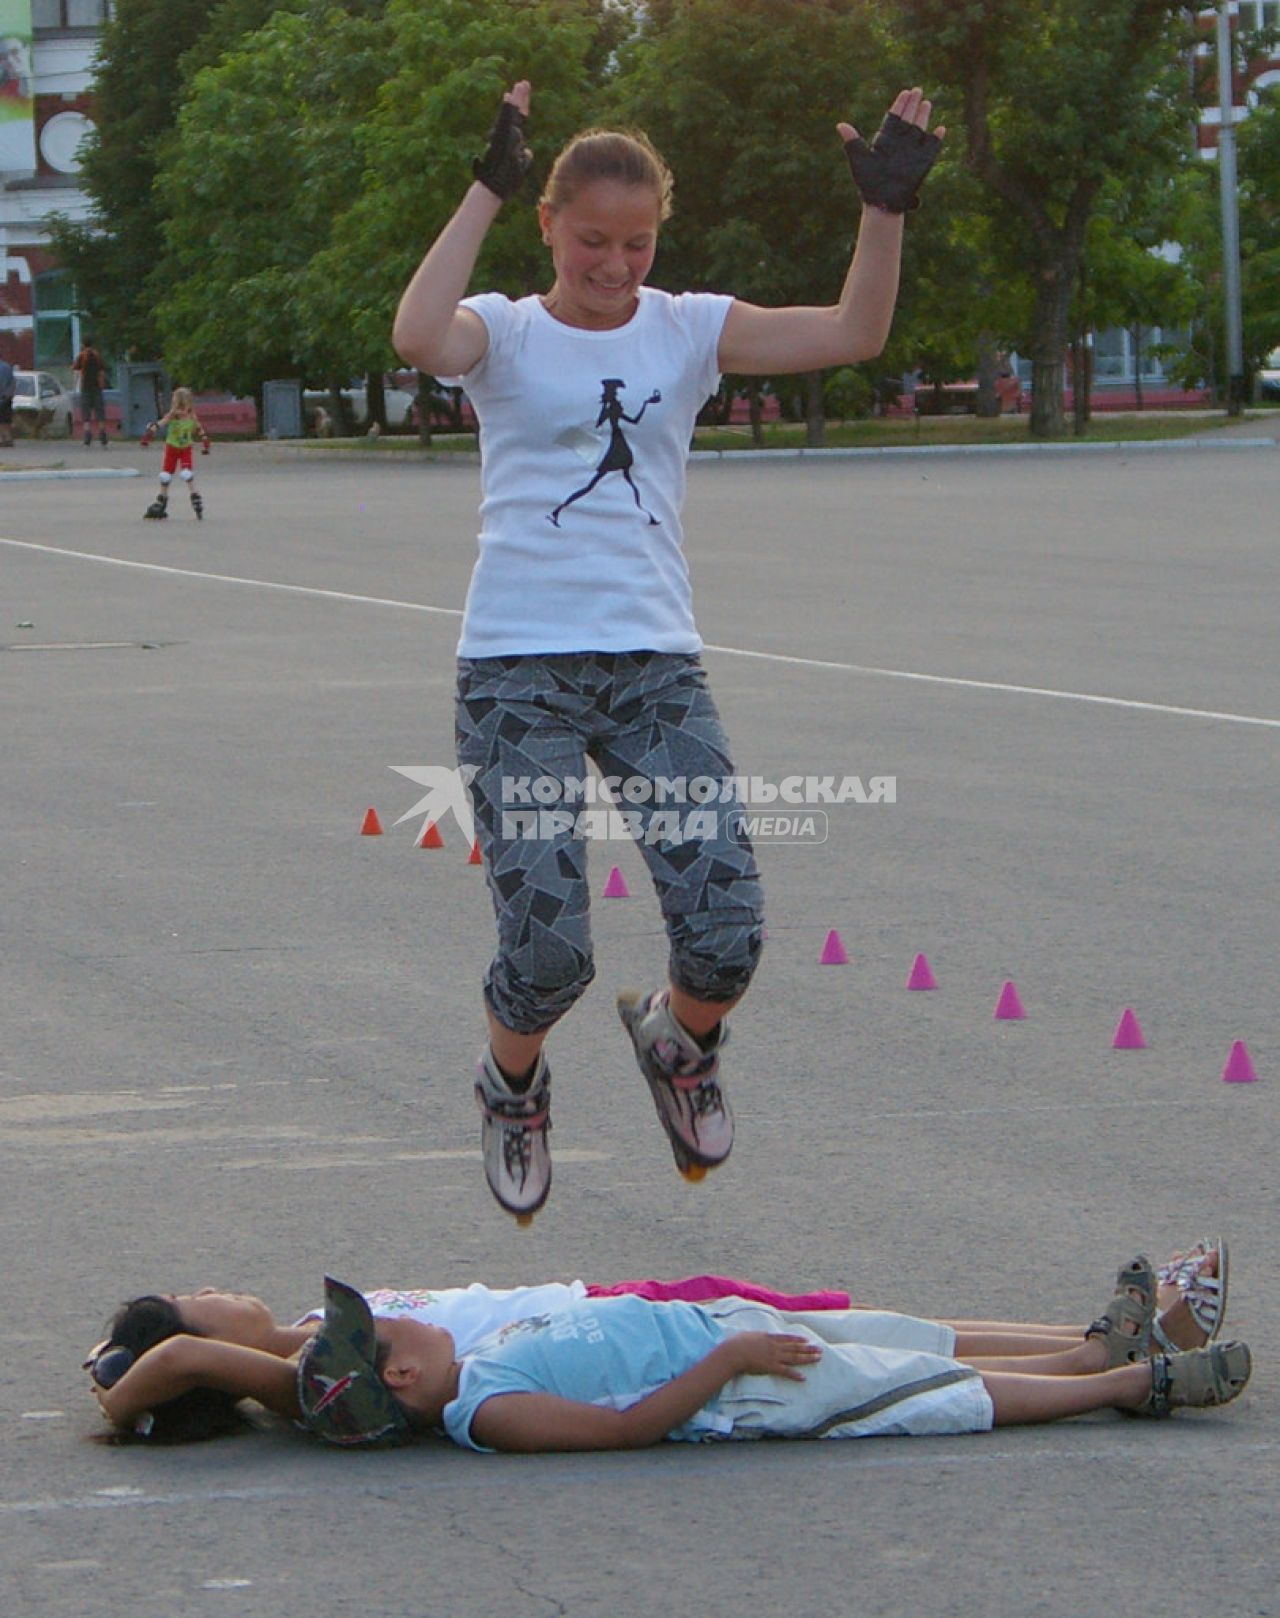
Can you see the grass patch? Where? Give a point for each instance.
(390, 444)
(1120, 426)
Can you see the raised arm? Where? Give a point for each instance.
(757, 341)
(532, 1422)
(181, 1363)
(430, 331)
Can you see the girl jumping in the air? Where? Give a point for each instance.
(583, 645)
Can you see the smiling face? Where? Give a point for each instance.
(227, 1317)
(602, 242)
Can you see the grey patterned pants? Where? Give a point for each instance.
(526, 726)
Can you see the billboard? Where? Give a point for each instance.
(17, 89)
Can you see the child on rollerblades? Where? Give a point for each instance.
(181, 429)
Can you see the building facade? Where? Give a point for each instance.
(47, 53)
(1261, 73)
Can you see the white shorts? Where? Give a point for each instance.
(879, 1374)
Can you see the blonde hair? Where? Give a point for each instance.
(625, 155)
(182, 400)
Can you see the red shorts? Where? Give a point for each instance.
(175, 458)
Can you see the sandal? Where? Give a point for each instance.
(1199, 1379)
(1134, 1305)
(1204, 1295)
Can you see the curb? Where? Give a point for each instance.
(88, 472)
(1139, 446)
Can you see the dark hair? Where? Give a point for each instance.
(625, 155)
(381, 1356)
(193, 1416)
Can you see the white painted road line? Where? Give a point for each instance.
(1165, 709)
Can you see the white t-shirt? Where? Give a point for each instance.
(609, 573)
(469, 1313)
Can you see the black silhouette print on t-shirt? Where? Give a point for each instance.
(617, 457)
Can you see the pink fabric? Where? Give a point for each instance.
(706, 1288)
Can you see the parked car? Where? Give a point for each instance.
(1269, 377)
(42, 402)
(399, 404)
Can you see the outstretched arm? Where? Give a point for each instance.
(430, 331)
(541, 1421)
(181, 1363)
(757, 341)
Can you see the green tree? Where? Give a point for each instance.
(453, 61)
(136, 86)
(1259, 149)
(261, 157)
(1199, 230)
(1053, 97)
(741, 97)
(1127, 278)
(966, 299)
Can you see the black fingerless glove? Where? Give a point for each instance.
(889, 172)
(505, 164)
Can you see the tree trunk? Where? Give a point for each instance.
(815, 420)
(1079, 384)
(755, 410)
(424, 409)
(1135, 335)
(988, 368)
(343, 419)
(1049, 343)
(375, 393)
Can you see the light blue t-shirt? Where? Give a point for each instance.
(608, 1351)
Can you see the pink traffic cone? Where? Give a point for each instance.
(921, 974)
(1239, 1068)
(1128, 1036)
(1009, 1005)
(616, 887)
(833, 951)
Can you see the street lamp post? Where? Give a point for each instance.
(1230, 212)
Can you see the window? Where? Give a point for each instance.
(1113, 356)
(69, 13)
(1260, 14)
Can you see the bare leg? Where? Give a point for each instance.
(994, 1348)
(1019, 1399)
(1085, 1359)
(698, 1017)
(1013, 1328)
(514, 1053)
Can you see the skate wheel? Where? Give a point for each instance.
(694, 1172)
(524, 1221)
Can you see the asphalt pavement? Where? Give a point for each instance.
(239, 1036)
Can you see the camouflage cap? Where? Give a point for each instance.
(343, 1399)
